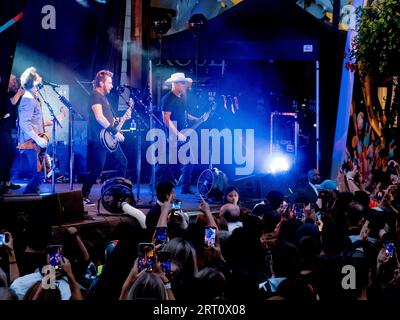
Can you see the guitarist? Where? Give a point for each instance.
(31, 127)
(101, 116)
(174, 110)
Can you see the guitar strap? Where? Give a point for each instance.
(41, 157)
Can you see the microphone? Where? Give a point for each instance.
(51, 84)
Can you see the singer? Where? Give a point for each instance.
(101, 115)
(31, 125)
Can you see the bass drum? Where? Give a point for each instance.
(212, 184)
(115, 191)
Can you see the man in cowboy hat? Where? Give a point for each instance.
(175, 117)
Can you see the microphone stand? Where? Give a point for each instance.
(53, 161)
(71, 141)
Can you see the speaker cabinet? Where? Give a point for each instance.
(59, 208)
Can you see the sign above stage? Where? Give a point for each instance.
(267, 50)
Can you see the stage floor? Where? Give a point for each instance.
(98, 217)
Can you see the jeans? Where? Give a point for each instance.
(31, 158)
(187, 170)
(96, 159)
(7, 155)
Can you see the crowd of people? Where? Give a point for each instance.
(342, 246)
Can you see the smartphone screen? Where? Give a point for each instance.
(390, 249)
(164, 257)
(161, 235)
(177, 204)
(2, 239)
(55, 253)
(146, 256)
(209, 237)
(298, 210)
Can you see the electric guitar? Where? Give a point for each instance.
(44, 160)
(107, 139)
(201, 120)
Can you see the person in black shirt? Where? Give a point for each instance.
(175, 117)
(101, 116)
(8, 118)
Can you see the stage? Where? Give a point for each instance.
(96, 217)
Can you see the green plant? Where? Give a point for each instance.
(377, 45)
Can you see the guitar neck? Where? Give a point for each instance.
(121, 122)
(195, 126)
(123, 119)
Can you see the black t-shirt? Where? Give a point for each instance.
(177, 106)
(10, 121)
(94, 126)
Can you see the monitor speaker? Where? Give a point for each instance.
(59, 208)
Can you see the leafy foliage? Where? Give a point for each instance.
(377, 45)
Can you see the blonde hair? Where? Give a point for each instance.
(148, 286)
(101, 77)
(28, 78)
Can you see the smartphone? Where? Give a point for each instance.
(390, 249)
(56, 253)
(2, 239)
(146, 256)
(209, 236)
(164, 257)
(298, 210)
(161, 235)
(176, 204)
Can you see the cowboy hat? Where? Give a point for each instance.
(178, 77)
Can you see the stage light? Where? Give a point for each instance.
(278, 163)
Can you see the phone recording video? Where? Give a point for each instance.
(161, 236)
(298, 210)
(55, 254)
(176, 204)
(2, 239)
(164, 257)
(209, 236)
(146, 256)
(390, 249)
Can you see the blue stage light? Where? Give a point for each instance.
(278, 163)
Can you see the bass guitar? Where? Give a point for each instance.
(107, 139)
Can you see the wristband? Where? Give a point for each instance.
(167, 285)
(112, 129)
